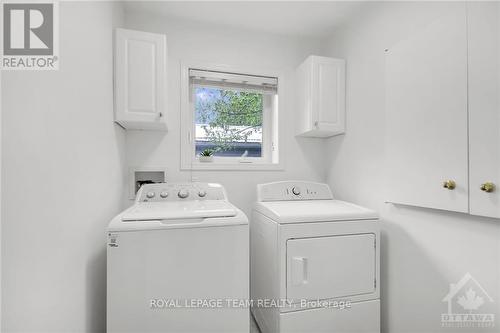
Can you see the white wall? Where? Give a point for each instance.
(422, 250)
(63, 176)
(192, 41)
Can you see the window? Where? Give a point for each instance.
(232, 115)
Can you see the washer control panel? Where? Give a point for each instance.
(180, 191)
(293, 190)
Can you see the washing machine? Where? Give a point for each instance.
(314, 261)
(178, 261)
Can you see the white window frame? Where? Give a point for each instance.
(272, 130)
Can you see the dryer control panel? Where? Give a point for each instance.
(180, 192)
(293, 190)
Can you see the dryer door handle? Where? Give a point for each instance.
(299, 270)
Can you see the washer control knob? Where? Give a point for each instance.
(202, 193)
(296, 190)
(150, 195)
(164, 194)
(183, 194)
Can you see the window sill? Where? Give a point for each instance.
(233, 166)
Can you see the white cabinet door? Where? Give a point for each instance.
(321, 97)
(140, 80)
(484, 106)
(329, 91)
(426, 115)
(330, 267)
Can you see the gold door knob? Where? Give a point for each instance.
(488, 187)
(450, 184)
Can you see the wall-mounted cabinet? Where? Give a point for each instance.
(483, 23)
(442, 113)
(321, 97)
(426, 116)
(140, 80)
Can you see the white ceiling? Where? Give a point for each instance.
(296, 18)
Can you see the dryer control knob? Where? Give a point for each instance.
(296, 190)
(150, 195)
(202, 193)
(164, 194)
(183, 194)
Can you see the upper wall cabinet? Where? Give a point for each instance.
(484, 107)
(426, 116)
(321, 97)
(443, 113)
(140, 80)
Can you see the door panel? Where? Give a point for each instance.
(484, 106)
(329, 267)
(329, 74)
(141, 76)
(426, 115)
(140, 79)
(328, 110)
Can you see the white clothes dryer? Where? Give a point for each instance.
(317, 258)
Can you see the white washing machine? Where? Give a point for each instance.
(175, 258)
(317, 258)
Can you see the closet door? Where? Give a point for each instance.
(426, 116)
(484, 107)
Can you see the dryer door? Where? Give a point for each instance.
(331, 267)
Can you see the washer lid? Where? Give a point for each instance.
(313, 211)
(147, 211)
